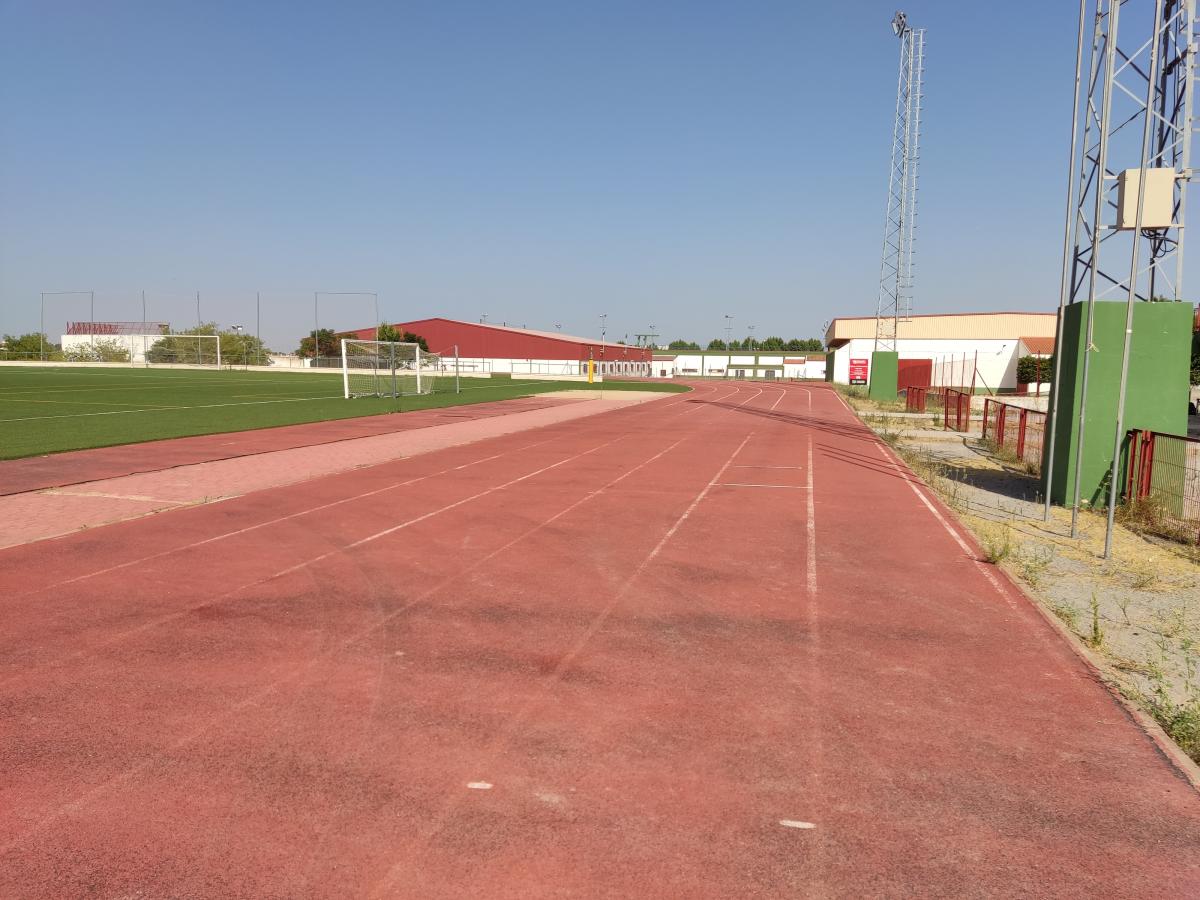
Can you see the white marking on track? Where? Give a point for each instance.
(795, 823)
(745, 466)
(479, 785)
(789, 487)
(140, 497)
(811, 526)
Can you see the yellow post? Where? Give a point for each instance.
(591, 371)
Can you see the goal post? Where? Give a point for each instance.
(391, 369)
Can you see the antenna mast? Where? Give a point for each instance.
(896, 260)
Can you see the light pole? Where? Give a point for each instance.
(728, 331)
(237, 329)
(751, 329)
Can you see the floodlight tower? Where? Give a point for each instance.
(899, 227)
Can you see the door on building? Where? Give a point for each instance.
(914, 373)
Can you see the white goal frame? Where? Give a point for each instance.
(388, 369)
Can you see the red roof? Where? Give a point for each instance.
(1039, 346)
(484, 340)
(117, 327)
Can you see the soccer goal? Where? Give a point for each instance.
(175, 350)
(393, 369)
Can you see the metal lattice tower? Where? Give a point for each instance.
(1142, 58)
(899, 228)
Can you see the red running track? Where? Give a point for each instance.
(713, 645)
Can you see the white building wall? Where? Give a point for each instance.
(996, 360)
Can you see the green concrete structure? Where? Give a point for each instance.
(829, 359)
(1156, 397)
(884, 378)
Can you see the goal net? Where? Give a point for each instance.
(175, 350)
(393, 369)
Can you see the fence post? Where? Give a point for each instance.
(1021, 433)
(1148, 463)
(1001, 425)
(1135, 440)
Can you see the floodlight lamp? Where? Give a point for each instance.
(900, 24)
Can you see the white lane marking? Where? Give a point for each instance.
(782, 394)
(953, 532)
(744, 466)
(479, 785)
(789, 487)
(268, 689)
(795, 823)
(811, 526)
(382, 885)
(324, 506)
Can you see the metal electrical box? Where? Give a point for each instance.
(1159, 206)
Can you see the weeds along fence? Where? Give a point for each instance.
(1015, 429)
(1163, 483)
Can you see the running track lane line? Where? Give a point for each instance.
(261, 694)
(220, 598)
(383, 886)
(321, 507)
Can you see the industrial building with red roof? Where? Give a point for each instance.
(505, 348)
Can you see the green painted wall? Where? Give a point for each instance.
(829, 360)
(885, 373)
(1156, 397)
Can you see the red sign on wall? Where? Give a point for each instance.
(858, 371)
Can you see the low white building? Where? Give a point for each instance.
(135, 338)
(768, 364)
(977, 350)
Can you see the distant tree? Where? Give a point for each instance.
(105, 350)
(772, 343)
(409, 338)
(236, 349)
(386, 332)
(1035, 369)
(809, 343)
(327, 344)
(26, 346)
(717, 344)
(683, 345)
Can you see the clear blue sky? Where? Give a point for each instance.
(540, 162)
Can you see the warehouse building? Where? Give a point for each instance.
(769, 364)
(951, 350)
(483, 348)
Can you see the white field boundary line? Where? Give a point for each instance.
(123, 412)
(262, 693)
(299, 513)
(518, 718)
(69, 402)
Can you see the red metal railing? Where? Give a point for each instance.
(1164, 469)
(956, 411)
(914, 399)
(1015, 428)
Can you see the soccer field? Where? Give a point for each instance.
(53, 409)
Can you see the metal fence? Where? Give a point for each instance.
(1163, 479)
(956, 410)
(1015, 428)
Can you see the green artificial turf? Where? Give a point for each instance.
(53, 409)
